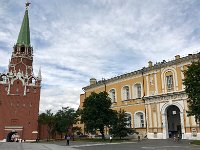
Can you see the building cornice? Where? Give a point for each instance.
(146, 70)
(166, 97)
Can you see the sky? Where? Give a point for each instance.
(75, 40)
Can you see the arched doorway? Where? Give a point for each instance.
(173, 121)
(11, 136)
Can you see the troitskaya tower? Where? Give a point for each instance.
(20, 90)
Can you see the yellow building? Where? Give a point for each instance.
(153, 98)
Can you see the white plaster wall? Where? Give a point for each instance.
(190, 137)
(151, 136)
(158, 116)
(150, 118)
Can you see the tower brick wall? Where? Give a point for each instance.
(20, 91)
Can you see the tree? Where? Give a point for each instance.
(48, 119)
(75, 129)
(119, 128)
(192, 88)
(65, 118)
(96, 113)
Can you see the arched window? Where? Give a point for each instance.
(126, 93)
(128, 120)
(3, 78)
(112, 95)
(22, 49)
(29, 51)
(138, 90)
(139, 120)
(169, 81)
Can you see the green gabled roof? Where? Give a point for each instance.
(24, 34)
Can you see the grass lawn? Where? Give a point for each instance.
(197, 142)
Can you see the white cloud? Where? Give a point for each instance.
(76, 40)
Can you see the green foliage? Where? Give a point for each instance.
(192, 88)
(96, 113)
(61, 122)
(65, 118)
(48, 119)
(120, 129)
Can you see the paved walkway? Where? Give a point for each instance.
(142, 145)
(32, 146)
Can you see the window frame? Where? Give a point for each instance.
(169, 83)
(126, 92)
(136, 91)
(137, 116)
(113, 97)
(129, 119)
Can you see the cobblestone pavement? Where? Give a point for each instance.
(142, 145)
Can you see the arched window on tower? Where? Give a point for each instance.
(138, 90)
(112, 95)
(32, 80)
(29, 51)
(22, 50)
(139, 120)
(126, 92)
(3, 79)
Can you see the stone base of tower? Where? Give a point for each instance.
(17, 134)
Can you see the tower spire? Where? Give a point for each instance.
(39, 74)
(24, 34)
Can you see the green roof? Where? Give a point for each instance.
(24, 34)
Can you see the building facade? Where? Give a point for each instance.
(20, 91)
(153, 98)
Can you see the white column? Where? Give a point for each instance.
(163, 82)
(182, 125)
(187, 119)
(156, 84)
(146, 118)
(182, 77)
(150, 117)
(155, 119)
(158, 116)
(193, 121)
(147, 79)
(165, 126)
